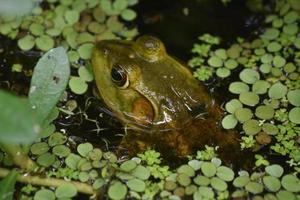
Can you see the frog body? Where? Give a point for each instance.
(157, 98)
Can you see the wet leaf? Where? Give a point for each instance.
(223, 72)
(49, 80)
(272, 183)
(72, 161)
(7, 188)
(254, 187)
(117, 191)
(141, 172)
(84, 148)
(208, 169)
(249, 76)
(77, 85)
(274, 47)
(67, 190)
(61, 150)
(225, 173)
(215, 61)
(243, 114)
(201, 180)
(251, 127)
(249, 98)
(46, 159)
(128, 14)
(294, 115)
(45, 43)
(186, 169)
(56, 139)
(183, 179)
(26, 43)
(238, 87)
(260, 87)
(136, 185)
(270, 129)
(44, 194)
(218, 184)
(229, 122)
(233, 105)
(128, 165)
(241, 181)
(39, 148)
(85, 74)
(294, 97)
(283, 195)
(18, 124)
(291, 183)
(264, 112)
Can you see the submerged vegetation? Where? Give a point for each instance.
(264, 105)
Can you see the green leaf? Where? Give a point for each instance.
(67, 190)
(44, 194)
(136, 185)
(18, 124)
(117, 191)
(8, 185)
(49, 80)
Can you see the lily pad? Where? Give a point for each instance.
(231, 64)
(264, 112)
(294, 97)
(183, 179)
(278, 61)
(270, 34)
(294, 115)
(128, 14)
(277, 91)
(251, 127)
(67, 190)
(26, 43)
(254, 187)
(136, 185)
(229, 122)
(215, 61)
(44, 42)
(201, 180)
(208, 169)
(186, 169)
(223, 72)
(44, 194)
(291, 183)
(232, 105)
(241, 181)
(274, 47)
(117, 191)
(84, 148)
(225, 173)
(274, 170)
(128, 165)
(249, 76)
(270, 129)
(238, 87)
(243, 114)
(272, 183)
(249, 98)
(77, 85)
(39, 148)
(260, 87)
(218, 184)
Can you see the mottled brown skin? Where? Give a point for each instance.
(157, 99)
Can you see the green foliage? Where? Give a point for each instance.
(7, 188)
(49, 80)
(265, 98)
(18, 122)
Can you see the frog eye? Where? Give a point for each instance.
(119, 76)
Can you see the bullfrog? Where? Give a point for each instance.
(157, 99)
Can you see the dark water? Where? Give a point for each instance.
(164, 19)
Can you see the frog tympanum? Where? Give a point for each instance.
(157, 98)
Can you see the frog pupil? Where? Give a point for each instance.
(118, 76)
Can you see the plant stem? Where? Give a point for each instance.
(19, 157)
(50, 182)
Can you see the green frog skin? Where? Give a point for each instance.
(157, 99)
